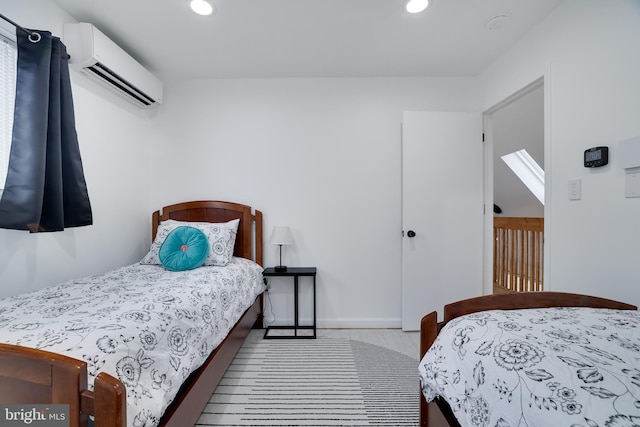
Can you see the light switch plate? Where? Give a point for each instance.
(575, 191)
(632, 183)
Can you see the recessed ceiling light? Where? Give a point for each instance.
(416, 6)
(202, 7)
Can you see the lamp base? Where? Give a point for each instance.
(280, 268)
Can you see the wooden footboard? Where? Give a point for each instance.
(428, 334)
(29, 376)
(518, 254)
(438, 413)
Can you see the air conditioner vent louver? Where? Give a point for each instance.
(102, 72)
(108, 64)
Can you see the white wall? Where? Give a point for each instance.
(114, 144)
(319, 155)
(588, 52)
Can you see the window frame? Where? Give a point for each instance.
(8, 56)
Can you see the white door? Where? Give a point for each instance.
(442, 208)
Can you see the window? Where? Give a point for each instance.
(8, 64)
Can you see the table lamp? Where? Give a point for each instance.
(281, 235)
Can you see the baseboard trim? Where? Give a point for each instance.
(369, 323)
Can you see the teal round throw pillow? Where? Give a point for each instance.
(184, 248)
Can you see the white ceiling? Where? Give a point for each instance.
(311, 38)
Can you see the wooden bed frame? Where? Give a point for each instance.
(29, 376)
(438, 412)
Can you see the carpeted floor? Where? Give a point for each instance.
(343, 378)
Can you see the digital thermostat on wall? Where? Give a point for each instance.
(596, 157)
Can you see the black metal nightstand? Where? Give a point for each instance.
(294, 272)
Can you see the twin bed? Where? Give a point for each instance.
(531, 359)
(139, 345)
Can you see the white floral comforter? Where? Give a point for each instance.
(564, 367)
(146, 326)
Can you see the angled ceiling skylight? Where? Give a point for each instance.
(529, 172)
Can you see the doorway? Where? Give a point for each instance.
(514, 251)
(447, 220)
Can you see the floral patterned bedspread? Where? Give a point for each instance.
(566, 367)
(144, 325)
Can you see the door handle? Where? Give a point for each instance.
(411, 233)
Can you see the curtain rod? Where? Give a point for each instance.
(36, 36)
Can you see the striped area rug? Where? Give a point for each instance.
(330, 381)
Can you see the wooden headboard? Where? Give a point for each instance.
(249, 229)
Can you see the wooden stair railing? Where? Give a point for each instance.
(518, 250)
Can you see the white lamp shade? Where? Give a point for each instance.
(281, 235)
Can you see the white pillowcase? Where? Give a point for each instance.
(221, 236)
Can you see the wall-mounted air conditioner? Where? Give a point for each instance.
(104, 61)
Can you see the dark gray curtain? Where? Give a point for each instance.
(45, 188)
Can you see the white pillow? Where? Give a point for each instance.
(221, 236)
